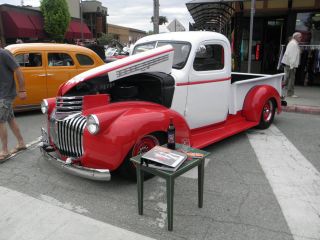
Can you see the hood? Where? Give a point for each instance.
(155, 60)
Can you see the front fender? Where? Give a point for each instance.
(255, 100)
(111, 145)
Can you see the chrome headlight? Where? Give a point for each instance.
(93, 125)
(44, 106)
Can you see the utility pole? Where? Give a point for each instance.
(81, 20)
(250, 37)
(155, 16)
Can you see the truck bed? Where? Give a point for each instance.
(243, 82)
(236, 77)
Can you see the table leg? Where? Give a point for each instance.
(200, 183)
(170, 194)
(140, 188)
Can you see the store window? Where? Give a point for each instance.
(309, 25)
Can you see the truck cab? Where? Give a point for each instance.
(201, 66)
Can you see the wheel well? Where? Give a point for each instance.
(255, 100)
(161, 136)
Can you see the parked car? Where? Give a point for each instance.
(115, 51)
(46, 66)
(123, 108)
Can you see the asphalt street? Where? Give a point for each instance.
(258, 185)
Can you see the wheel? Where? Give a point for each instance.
(267, 114)
(146, 143)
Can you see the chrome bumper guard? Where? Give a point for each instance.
(89, 173)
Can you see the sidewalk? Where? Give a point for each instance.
(308, 100)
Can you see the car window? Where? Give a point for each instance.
(84, 59)
(29, 59)
(209, 57)
(144, 47)
(60, 59)
(181, 51)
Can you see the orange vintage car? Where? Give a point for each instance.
(46, 66)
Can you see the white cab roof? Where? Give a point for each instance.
(194, 37)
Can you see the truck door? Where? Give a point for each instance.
(209, 84)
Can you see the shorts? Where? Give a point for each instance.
(6, 110)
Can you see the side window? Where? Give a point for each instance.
(209, 57)
(84, 60)
(60, 59)
(144, 47)
(29, 59)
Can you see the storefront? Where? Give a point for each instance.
(28, 25)
(274, 22)
(308, 73)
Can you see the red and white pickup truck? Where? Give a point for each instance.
(103, 116)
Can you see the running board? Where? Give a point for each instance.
(207, 136)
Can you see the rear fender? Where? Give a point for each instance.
(109, 148)
(255, 100)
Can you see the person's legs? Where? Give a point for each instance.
(3, 127)
(13, 125)
(4, 139)
(291, 80)
(285, 80)
(16, 131)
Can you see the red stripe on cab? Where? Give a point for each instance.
(203, 81)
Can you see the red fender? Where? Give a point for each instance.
(256, 98)
(122, 126)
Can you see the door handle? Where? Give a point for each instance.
(50, 74)
(41, 75)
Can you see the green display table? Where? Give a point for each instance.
(170, 177)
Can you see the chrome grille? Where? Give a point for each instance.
(69, 105)
(67, 134)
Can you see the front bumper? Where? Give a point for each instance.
(89, 173)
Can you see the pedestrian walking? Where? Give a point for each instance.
(290, 60)
(9, 67)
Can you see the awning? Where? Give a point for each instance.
(211, 15)
(75, 29)
(38, 24)
(17, 25)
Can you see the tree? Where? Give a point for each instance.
(56, 18)
(105, 39)
(150, 32)
(162, 20)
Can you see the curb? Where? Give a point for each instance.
(302, 109)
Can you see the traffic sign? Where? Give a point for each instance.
(175, 26)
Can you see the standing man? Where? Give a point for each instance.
(291, 60)
(9, 67)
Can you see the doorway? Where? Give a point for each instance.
(272, 44)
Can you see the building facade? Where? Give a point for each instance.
(74, 8)
(95, 16)
(124, 35)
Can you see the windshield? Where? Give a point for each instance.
(181, 51)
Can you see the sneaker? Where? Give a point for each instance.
(294, 96)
